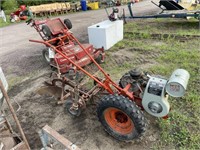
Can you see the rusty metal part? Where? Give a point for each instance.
(62, 88)
(73, 89)
(13, 114)
(107, 83)
(48, 136)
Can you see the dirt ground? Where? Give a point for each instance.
(26, 71)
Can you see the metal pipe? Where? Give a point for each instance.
(13, 114)
(107, 12)
(87, 73)
(129, 8)
(172, 15)
(181, 15)
(99, 67)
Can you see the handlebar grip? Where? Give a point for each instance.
(29, 21)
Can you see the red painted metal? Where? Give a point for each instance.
(61, 40)
(56, 26)
(63, 55)
(107, 83)
(118, 121)
(74, 53)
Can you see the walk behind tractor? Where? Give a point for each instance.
(120, 106)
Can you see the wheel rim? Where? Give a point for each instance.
(73, 112)
(118, 121)
(45, 32)
(46, 55)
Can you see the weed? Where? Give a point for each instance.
(2, 23)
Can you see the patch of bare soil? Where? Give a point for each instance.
(85, 130)
(136, 57)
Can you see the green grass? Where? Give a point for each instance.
(165, 26)
(3, 24)
(182, 129)
(15, 80)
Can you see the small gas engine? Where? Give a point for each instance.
(154, 90)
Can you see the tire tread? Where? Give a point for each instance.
(129, 108)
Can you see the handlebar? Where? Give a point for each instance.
(29, 21)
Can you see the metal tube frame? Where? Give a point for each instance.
(106, 83)
(13, 114)
(172, 15)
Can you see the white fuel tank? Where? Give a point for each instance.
(105, 34)
(177, 83)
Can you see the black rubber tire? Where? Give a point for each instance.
(127, 107)
(45, 54)
(99, 59)
(67, 107)
(68, 23)
(46, 31)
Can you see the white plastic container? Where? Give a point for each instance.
(177, 83)
(105, 34)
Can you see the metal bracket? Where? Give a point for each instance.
(48, 135)
(159, 7)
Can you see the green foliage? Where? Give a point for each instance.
(165, 26)
(2, 23)
(180, 130)
(38, 2)
(10, 5)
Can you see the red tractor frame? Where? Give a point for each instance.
(57, 33)
(120, 109)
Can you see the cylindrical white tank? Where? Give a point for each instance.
(177, 84)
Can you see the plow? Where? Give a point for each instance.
(120, 106)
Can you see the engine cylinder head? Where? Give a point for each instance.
(135, 73)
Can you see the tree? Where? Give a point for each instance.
(10, 5)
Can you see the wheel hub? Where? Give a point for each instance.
(121, 117)
(72, 108)
(73, 111)
(118, 121)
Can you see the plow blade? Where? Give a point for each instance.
(54, 91)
